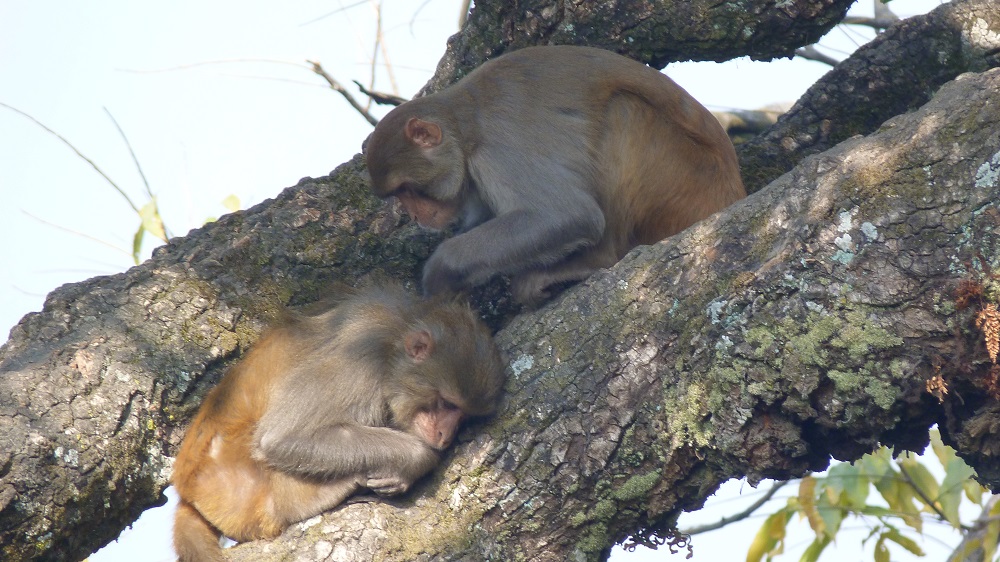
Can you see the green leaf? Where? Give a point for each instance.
(832, 515)
(814, 550)
(922, 479)
(956, 473)
(943, 452)
(899, 496)
(877, 511)
(881, 550)
(770, 537)
(231, 203)
(974, 491)
(877, 467)
(906, 542)
(992, 533)
(850, 482)
(137, 244)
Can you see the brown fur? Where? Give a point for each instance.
(358, 396)
(559, 159)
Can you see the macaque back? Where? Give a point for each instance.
(557, 160)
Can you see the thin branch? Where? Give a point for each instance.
(739, 516)
(811, 53)
(336, 86)
(380, 46)
(337, 11)
(77, 233)
(971, 547)
(381, 98)
(923, 495)
(131, 152)
(78, 153)
(878, 23)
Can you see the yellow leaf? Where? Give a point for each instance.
(807, 503)
(231, 203)
(769, 537)
(151, 220)
(903, 541)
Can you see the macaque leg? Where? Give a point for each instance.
(195, 539)
(531, 288)
(294, 499)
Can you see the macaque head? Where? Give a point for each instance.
(449, 370)
(419, 161)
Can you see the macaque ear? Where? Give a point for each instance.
(424, 134)
(418, 344)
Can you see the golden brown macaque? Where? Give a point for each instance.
(557, 160)
(363, 395)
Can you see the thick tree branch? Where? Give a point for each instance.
(897, 72)
(655, 32)
(797, 326)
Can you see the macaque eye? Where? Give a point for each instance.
(446, 405)
(406, 189)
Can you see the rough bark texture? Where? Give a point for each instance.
(897, 72)
(96, 389)
(656, 32)
(799, 325)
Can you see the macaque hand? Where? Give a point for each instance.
(391, 480)
(529, 290)
(388, 485)
(441, 276)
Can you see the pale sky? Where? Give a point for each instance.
(216, 100)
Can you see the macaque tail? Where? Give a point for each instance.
(195, 539)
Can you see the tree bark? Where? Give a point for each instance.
(896, 72)
(96, 389)
(655, 32)
(801, 324)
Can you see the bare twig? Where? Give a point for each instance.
(78, 153)
(811, 53)
(381, 98)
(337, 11)
(380, 47)
(336, 86)
(77, 233)
(739, 516)
(130, 151)
(874, 23)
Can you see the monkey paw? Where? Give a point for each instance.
(387, 486)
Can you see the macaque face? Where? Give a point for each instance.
(429, 213)
(438, 425)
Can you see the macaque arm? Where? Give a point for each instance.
(348, 451)
(541, 215)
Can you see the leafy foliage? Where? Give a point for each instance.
(906, 493)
